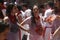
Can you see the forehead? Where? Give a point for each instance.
(35, 8)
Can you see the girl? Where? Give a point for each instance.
(35, 28)
(14, 30)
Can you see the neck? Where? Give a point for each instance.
(37, 18)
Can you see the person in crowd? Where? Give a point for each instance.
(26, 10)
(56, 22)
(43, 9)
(14, 30)
(55, 18)
(57, 7)
(49, 9)
(47, 26)
(35, 28)
(14, 16)
(4, 30)
(55, 25)
(5, 4)
(57, 3)
(20, 19)
(18, 14)
(2, 8)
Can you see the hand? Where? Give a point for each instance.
(6, 19)
(50, 19)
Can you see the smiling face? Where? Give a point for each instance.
(15, 9)
(35, 11)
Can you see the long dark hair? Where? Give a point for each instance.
(9, 9)
(32, 14)
(32, 19)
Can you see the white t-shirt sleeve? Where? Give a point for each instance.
(47, 13)
(4, 12)
(28, 13)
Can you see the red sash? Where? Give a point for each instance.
(12, 19)
(39, 30)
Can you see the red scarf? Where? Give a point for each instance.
(12, 18)
(39, 29)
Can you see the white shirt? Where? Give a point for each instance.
(41, 19)
(23, 15)
(28, 12)
(48, 12)
(4, 12)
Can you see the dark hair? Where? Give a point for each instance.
(51, 4)
(19, 7)
(3, 26)
(32, 19)
(42, 6)
(9, 9)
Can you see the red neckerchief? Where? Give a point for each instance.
(12, 19)
(38, 18)
(18, 13)
(39, 29)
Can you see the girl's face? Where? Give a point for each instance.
(36, 12)
(15, 9)
(58, 4)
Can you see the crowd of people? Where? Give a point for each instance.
(21, 22)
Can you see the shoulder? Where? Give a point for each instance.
(28, 10)
(48, 11)
(57, 16)
(57, 20)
